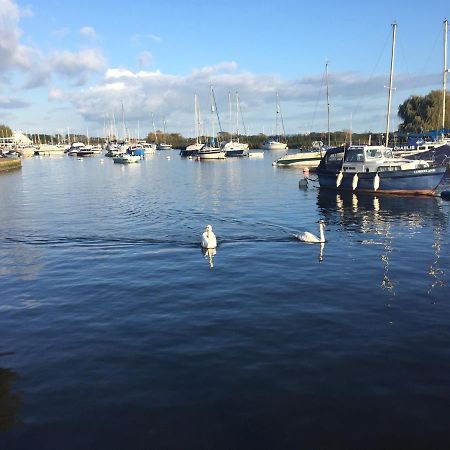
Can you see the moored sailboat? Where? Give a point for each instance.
(371, 168)
(192, 150)
(211, 150)
(275, 142)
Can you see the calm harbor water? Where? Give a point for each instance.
(115, 332)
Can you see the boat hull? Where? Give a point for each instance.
(238, 152)
(211, 154)
(301, 159)
(163, 146)
(274, 146)
(126, 160)
(411, 182)
(191, 150)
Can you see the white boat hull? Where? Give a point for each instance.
(211, 153)
(301, 159)
(274, 145)
(126, 159)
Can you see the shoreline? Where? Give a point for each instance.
(7, 164)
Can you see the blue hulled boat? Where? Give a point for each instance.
(366, 168)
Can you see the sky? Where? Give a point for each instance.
(72, 65)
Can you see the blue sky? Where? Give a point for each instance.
(72, 64)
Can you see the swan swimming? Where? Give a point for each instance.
(209, 238)
(309, 237)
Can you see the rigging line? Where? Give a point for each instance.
(282, 121)
(401, 56)
(242, 118)
(388, 35)
(438, 35)
(317, 102)
(217, 111)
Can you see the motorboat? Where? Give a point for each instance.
(126, 158)
(271, 144)
(303, 158)
(163, 146)
(235, 148)
(75, 148)
(87, 150)
(370, 168)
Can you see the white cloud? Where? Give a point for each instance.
(77, 65)
(303, 100)
(138, 38)
(55, 93)
(145, 59)
(88, 32)
(12, 103)
(13, 55)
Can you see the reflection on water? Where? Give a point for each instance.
(322, 246)
(387, 283)
(436, 273)
(209, 253)
(9, 401)
(377, 215)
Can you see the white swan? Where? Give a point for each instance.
(309, 237)
(209, 238)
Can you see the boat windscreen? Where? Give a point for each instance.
(333, 157)
(354, 155)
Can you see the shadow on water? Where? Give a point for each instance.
(10, 401)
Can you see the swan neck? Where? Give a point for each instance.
(322, 234)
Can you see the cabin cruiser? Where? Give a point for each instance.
(270, 144)
(375, 169)
(234, 148)
(303, 158)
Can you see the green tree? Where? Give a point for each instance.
(5, 131)
(423, 113)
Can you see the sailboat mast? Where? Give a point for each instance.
(154, 128)
(391, 79)
(276, 117)
(444, 78)
(216, 109)
(231, 117)
(196, 127)
(123, 125)
(237, 117)
(328, 105)
(212, 144)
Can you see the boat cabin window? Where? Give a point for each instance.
(374, 153)
(354, 155)
(388, 153)
(333, 157)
